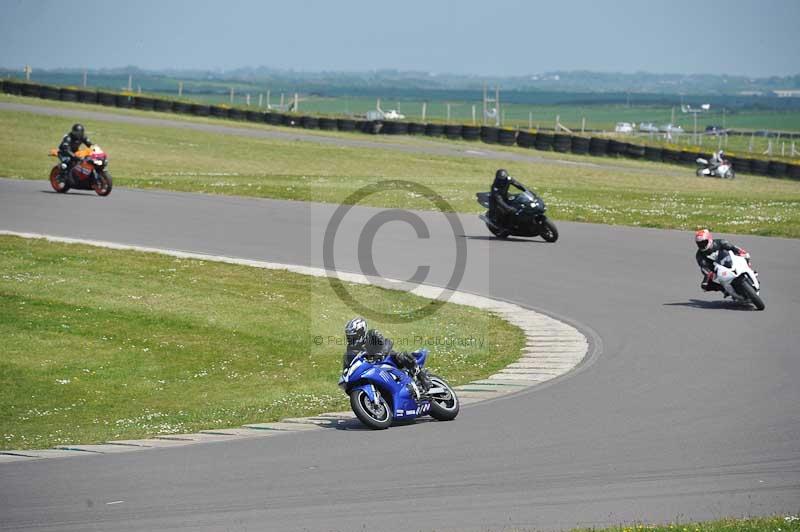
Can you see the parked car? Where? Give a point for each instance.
(623, 127)
(670, 128)
(648, 127)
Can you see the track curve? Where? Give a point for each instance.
(690, 412)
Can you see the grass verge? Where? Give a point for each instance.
(102, 345)
(610, 192)
(789, 523)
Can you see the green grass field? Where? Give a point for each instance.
(102, 344)
(789, 523)
(611, 191)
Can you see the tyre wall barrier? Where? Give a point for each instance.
(434, 130)
(309, 122)
(453, 131)
(30, 90)
(416, 128)
(182, 108)
(544, 141)
(598, 146)
(254, 116)
(525, 139)
(164, 106)
(143, 103)
(777, 169)
(327, 124)
(654, 154)
(472, 133)
(506, 137)
(635, 151)
(199, 109)
(346, 124)
(218, 111)
(562, 143)
(489, 134)
(580, 145)
(68, 95)
(49, 93)
(541, 140)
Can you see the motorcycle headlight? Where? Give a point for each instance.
(99, 162)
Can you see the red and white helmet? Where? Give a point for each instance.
(703, 239)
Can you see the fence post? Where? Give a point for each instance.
(180, 88)
(424, 110)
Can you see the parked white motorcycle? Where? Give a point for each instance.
(738, 279)
(724, 170)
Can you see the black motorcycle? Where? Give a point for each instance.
(529, 219)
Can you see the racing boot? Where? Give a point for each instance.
(423, 380)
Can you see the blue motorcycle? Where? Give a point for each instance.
(381, 393)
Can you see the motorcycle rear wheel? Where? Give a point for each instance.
(549, 231)
(751, 294)
(699, 172)
(58, 186)
(447, 407)
(376, 417)
(104, 187)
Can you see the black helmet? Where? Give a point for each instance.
(356, 332)
(78, 131)
(501, 174)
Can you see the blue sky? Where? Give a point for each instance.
(492, 37)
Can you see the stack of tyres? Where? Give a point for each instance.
(291, 120)
(544, 141)
(164, 106)
(453, 131)
(65, 94)
(218, 111)
(671, 156)
(254, 116)
(652, 153)
(391, 127)
(49, 93)
(635, 151)
(562, 143)
(759, 166)
(489, 134)
(31, 89)
(416, 128)
(434, 130)
(107, 98)
(580, 145)
(525, 139)
(143, 103)
(235, 114)
(12, 87)
(598, 146)
(471, 133)
(199, 109)
(274, 119)
(327, 124)
(688, 158)
(617, 148)
(346, 124)
(777, 169)
(793, 171)
(182, 108)
(740, 165)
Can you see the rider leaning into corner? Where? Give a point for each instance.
(360, 339)
(708, 249)
(69, 145)
(717, 159)
(499, 207)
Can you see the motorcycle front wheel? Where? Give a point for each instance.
(549, 231)
(699, 172)
(445, 406)
(751, 294)
(374, 416)
(58, 185)
(103, 187)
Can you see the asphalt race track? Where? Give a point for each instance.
(686, 408)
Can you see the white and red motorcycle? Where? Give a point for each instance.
(724, 170)
(734, 273)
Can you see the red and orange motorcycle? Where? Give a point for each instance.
(90, 173)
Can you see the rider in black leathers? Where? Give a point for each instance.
(69, 145)
(359, 339)
(708, 249)
(499, 207)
